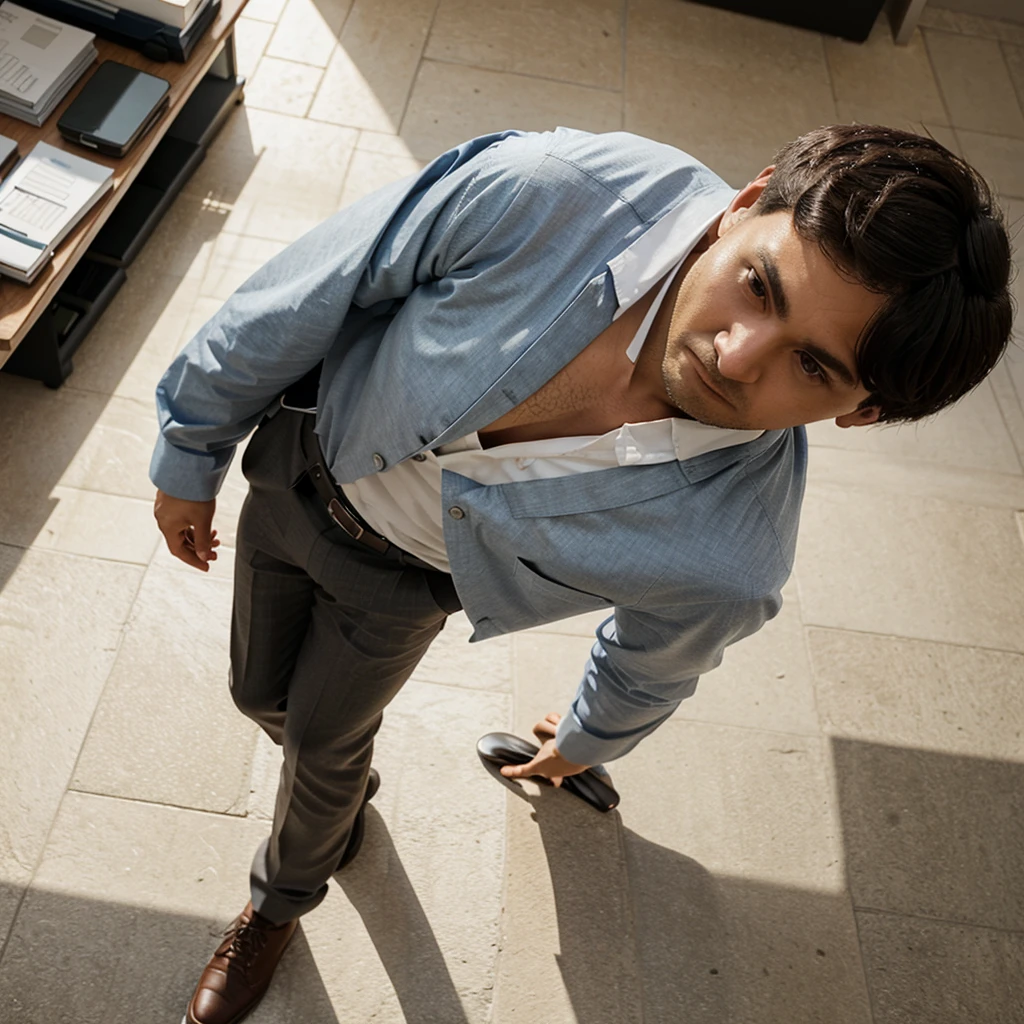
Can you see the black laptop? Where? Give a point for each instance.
(115, 108)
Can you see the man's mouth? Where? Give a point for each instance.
(705, 377)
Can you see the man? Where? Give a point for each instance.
(560, 372)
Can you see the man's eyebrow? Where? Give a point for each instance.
(771, 272)
(781, 304)
(830, 362)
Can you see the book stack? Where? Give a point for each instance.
(44, 197)
(8, 154)
(177, 13)
(40, 59)
(161, 29)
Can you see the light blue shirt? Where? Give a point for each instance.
(438, 304)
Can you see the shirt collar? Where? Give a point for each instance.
(660, 249)
(632, 444)
(664, 244)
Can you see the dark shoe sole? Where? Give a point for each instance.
(502, 748)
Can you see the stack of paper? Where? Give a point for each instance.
(8, 154)
(177, 13)
(40, 59)
(43, 199)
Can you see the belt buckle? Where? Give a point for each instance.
(340, 515)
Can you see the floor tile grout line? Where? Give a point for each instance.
(883, 912)
(75, 554)
(869, 990)
(330, 57)
(348, 164)
(623, 70)
(414, 680)
(301, 63)
(414, 80)
(914, 639)
(79, 554)
(977, 35)
(74, 767)
(276, 23)
(1006, 424)
(17, 909)
(679, 717)
(831, 77)
(806, 641)
(1013, 82)
(161, 803)
(108, 494)
(977, 131)
(938, 81)
(349, 127)
(1013, 341)
(942, 91)
(521, 74)
(921, 462)
(918, 465)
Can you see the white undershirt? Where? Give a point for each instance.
(403, 503)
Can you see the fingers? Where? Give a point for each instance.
(182, 546)
(189, 553)
(548, 763)
(533, 768)
(546, 728)
(202, 533)
(189, 538)
(187, 527)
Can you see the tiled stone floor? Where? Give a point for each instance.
(831, 831)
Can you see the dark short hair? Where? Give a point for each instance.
(906, 218)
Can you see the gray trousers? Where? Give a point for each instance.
(324, 633)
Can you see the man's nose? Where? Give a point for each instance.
(741, 353)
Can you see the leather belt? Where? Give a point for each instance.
(338, 506)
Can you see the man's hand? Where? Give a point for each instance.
(187, 527)
(548, 762)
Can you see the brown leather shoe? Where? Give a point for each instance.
(239, 972)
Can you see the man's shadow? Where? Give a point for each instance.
(382, 894)
(647, 935)
(625, 910)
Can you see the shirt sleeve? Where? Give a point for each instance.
(288, 315)
(644, 665)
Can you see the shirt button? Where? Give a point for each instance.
(456, 513)
(419, 457)
(378, 461)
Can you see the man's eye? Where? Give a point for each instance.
(755, 284)
(811, 368)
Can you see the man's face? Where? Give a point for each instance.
(763, 330)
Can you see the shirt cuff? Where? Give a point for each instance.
(575, 744)
(188, 475)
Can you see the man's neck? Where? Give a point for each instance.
(647, 382)
(600, 390)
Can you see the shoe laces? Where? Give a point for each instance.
(244, 943)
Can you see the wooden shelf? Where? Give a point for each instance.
(21, 305)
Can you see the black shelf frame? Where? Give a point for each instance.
(45, 353)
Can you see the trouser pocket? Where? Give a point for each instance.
(273, 458)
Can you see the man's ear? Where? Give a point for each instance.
(863, 417)
(743, 201)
